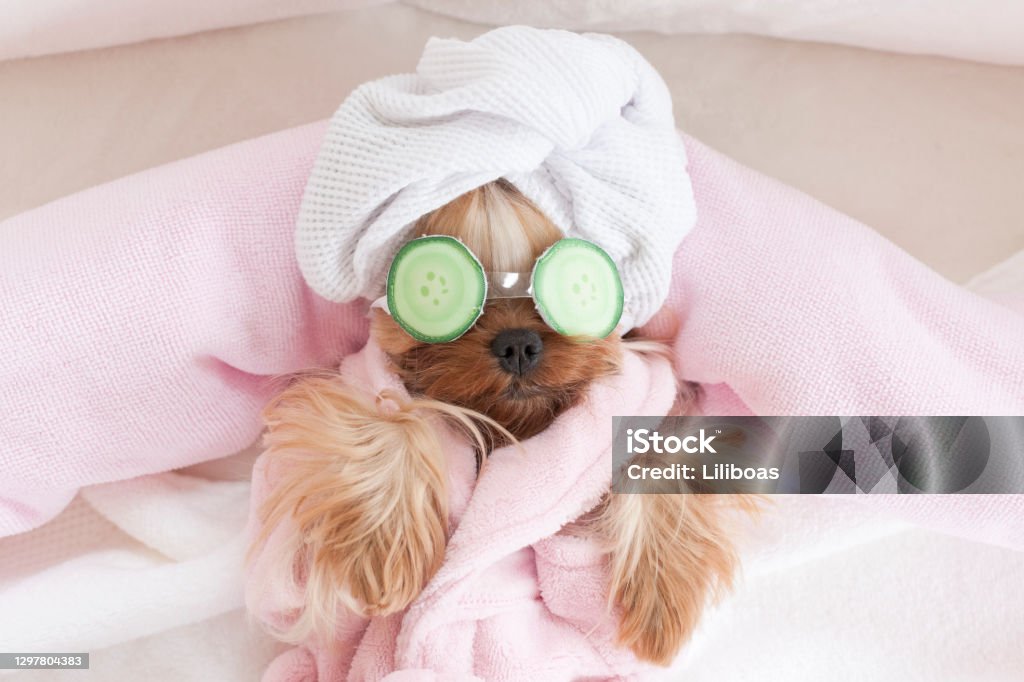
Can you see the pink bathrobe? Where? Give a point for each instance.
(514, 599)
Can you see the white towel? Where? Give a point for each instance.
(581, 124)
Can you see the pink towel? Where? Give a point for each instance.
(514, 599)
(802, 310)
(142, 318)
(782, 306)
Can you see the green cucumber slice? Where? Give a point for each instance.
(577, 289)
(436, 289)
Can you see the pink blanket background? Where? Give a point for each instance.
(143, 319)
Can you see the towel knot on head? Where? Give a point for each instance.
(581, 124)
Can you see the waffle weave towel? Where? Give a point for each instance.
(581, 124)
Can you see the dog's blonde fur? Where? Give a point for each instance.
(365, 486)
(499, 225)
(669, 557)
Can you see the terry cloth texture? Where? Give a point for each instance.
(515, 598)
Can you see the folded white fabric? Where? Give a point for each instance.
(581, 124)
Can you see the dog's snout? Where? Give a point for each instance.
(518, 350)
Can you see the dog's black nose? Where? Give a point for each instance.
(518, 350)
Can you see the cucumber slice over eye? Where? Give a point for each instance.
(577, 289)
(436, 289)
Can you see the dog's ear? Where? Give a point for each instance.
(670, 557)
(364, 484)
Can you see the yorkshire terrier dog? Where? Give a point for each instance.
(367, 493)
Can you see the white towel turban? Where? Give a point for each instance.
(580, 124)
